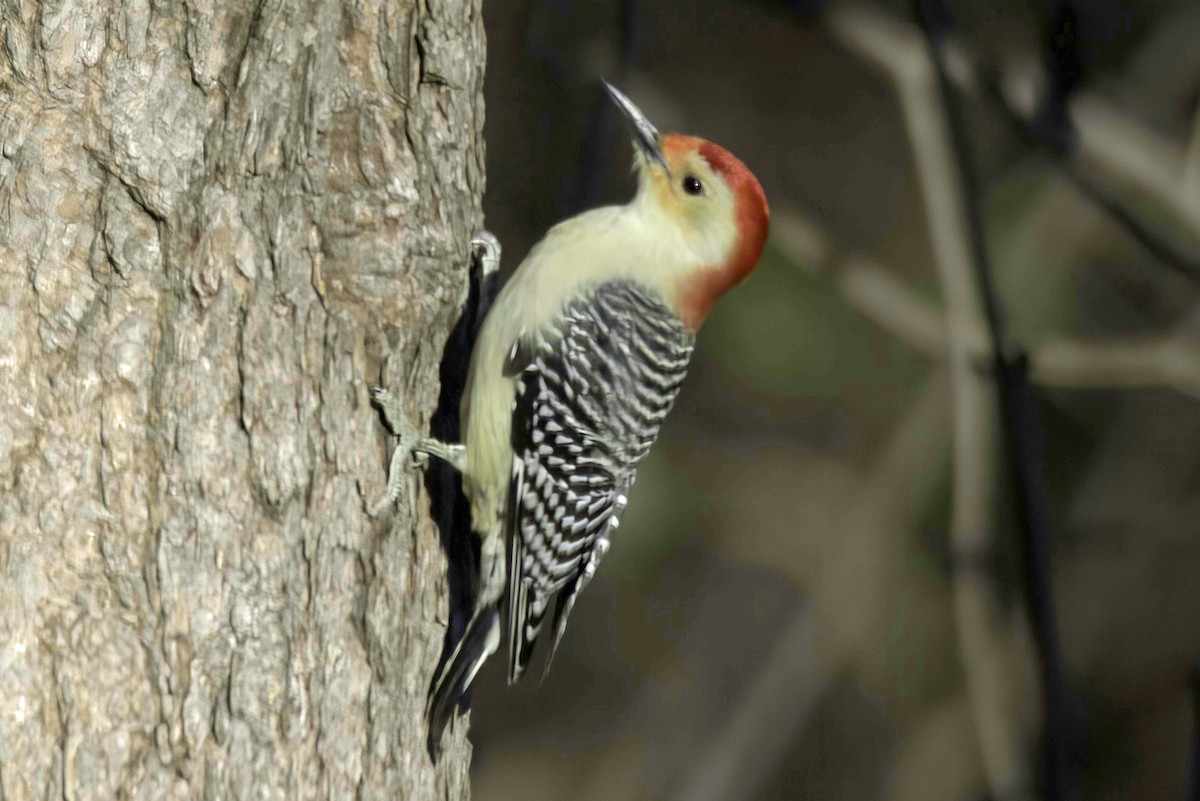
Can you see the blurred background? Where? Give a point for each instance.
(822, 588)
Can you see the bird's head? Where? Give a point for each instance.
(709, 200)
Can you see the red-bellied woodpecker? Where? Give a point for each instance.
(576, 365)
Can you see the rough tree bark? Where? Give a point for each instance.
(220, 223)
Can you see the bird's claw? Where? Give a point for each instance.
(393, 416)
(406, 453)
(485, 249)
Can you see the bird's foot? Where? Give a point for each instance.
(412, 448)
(485, 250)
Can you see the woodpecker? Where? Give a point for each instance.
(576, 365)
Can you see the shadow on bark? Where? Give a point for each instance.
(448, 506)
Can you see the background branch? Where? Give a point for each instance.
(899, 52)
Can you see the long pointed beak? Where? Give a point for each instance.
(645, 135)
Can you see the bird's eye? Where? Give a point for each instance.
(692, 185)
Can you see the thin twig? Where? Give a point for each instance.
(1132, 156)
(1170, 362)
(1135, 156)
(900, 53)
(1061, 768)
(881, 297)
(1107, 141)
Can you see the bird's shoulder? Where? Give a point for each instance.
(601, 236)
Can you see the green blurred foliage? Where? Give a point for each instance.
(788, 331)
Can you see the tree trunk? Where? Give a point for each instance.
(220, 224)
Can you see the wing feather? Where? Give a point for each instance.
(590, 403)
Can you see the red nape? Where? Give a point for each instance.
(753, 218)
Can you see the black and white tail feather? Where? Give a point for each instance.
(480, 640)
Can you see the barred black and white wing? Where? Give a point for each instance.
(589, 406)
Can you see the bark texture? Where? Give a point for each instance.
(220, 223)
